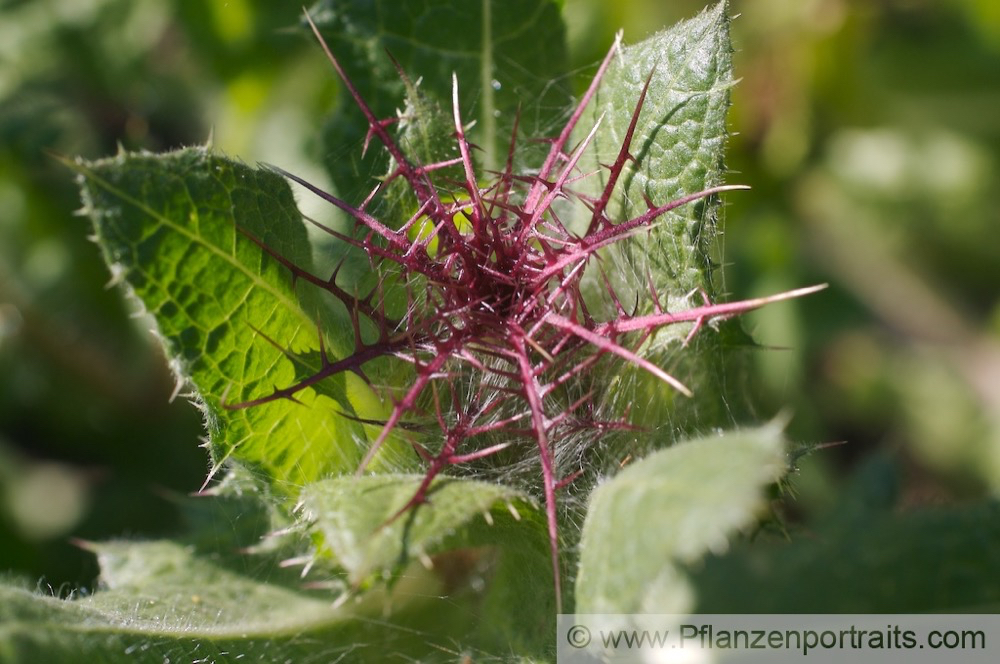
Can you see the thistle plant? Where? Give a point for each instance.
(502, 341)
(494, 362)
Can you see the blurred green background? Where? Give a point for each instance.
(869, 131)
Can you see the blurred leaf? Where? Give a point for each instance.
(929, 560)
(168, 226)
(206, 599)
(667, 510)
(505, 57)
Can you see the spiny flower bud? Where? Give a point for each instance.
(504, 349)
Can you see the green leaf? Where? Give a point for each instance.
(678, 149)
(205, 598)
(223, 592)
(492, 531)
(186, 624)
(354, 513)
(504, 55)
(667, 510)
(868, 556)
(167, 225)
(678, 144)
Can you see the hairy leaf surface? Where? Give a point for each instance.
(167, 225)
(669, 509)
(678, 144)
(206, 597)
(677, 149)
